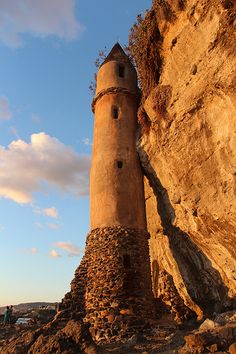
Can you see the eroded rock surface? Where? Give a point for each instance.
(188, 147)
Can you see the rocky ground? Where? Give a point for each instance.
(217, 335)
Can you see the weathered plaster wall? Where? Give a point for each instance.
(188, 153)
(116, 193)
(108, 76)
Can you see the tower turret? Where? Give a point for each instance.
(118, 296)
(116, 192)
(112, 289)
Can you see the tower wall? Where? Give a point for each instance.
(116, 192)
(118, 295)
(118, 290)
(108, 76)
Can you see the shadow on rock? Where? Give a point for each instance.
(202, 281)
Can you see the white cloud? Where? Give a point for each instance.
(5, 112)
(50, 212)
(53, 226)
(54, 254)
(40, 18)
(1, 228)
(70, 248)
(29, 167)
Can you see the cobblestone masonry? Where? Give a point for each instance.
(112, 286)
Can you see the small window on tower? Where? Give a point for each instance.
(126, 261)
(119, 164)
(121, 70)
(115, 112)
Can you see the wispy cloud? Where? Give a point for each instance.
(5, 112)
(50, 225)
(53, 226)
(29, 167)
(87, 141)
(39, 18)
(39, 225)
(54, 254)
(32, 251)
(51, 212)
(35, 118)
(1, 228)
(14, 131)
(70, 248)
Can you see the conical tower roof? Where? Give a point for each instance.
(117, 53)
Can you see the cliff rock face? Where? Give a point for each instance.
(188, 148)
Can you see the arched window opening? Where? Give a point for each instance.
(115, 112)
(121, 70)
(119, 164)
(126, 261)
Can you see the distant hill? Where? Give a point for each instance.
(29, 306)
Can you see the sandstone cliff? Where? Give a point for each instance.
(185, 55)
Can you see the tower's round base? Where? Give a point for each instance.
(118, 297)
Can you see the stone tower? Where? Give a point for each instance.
(118, 297)
(111, 290)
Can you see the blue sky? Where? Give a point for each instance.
(47, 54)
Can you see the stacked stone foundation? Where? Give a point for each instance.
(112, 286)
